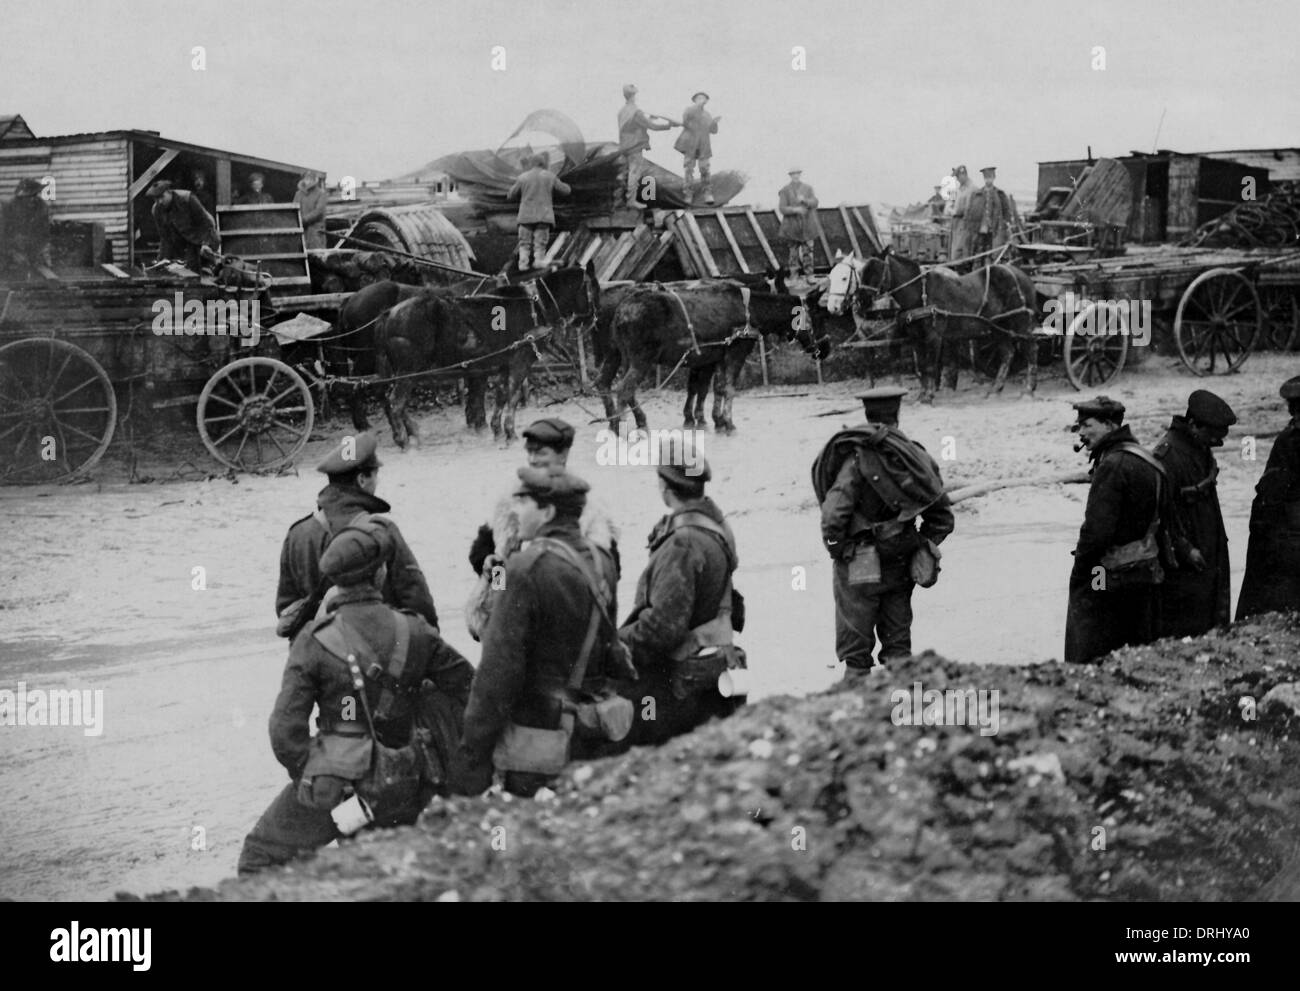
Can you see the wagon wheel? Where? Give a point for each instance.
(255, 414)
(1281, 306)
(1218, 321)
(1096, 345)
(57, 411)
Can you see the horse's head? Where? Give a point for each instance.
(874, 277)
(844, 279)
(806, 325)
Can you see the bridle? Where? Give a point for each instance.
(854, 283)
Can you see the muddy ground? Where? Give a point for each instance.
(97, 589)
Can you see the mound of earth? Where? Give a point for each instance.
(1166, 772)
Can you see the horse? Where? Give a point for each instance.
(711, 326)
(484, 334)
(938, 307)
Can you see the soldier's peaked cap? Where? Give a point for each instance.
(559, 488)
(1205, 407)
(357, 551)
(550, 432)
(885, 399)
(1102, 407)
(356, 452)
(1290, 389)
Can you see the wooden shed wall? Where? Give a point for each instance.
(90, 181)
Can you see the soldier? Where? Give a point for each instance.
(1199, 597)
(987, 216)
(25, 230)
(1117, 561)
(1272, 581)
(684, 606)
(400, 652)
(312, 200)
(872, 483)
(799, 223)
(547, 443)
(353, 473)
(184, 227)
(547, 632)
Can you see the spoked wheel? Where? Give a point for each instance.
(255, 414)
(1281, 306)
(1096, 345)
(57, 411)
(1218, 321)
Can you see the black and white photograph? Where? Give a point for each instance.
(573, 451)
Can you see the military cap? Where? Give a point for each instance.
(684, 476)
(550, 432)
(1290, 389)
(158, 188)
(1102, 407)
(700, 93)
(1205, 407)
(553, 487)
(987, 169)
(28, 187)
(886, 399)
(794, 171)
(357, 551)
(356, 452)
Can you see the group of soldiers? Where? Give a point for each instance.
(560, 679)
(981, 217)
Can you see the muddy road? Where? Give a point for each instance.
(161, 595)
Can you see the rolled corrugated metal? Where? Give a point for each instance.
(419, 229)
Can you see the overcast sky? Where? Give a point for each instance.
(893, 94)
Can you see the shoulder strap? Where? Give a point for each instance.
(1141, 452)
(598, 604)
(340, 634)
(702, 521)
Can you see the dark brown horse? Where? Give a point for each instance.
(939, 307)
(707, 325)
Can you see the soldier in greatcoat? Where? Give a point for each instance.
(873, 483)
(1197, 598)
(353, 473)
(1272, 580)
(323, 768)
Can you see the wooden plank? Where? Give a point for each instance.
(622, 247)
(758, 233)
(848, 226)
(146, 177)
(114, 270)
(826, 245)
(692, 264)
(870, 230)
(592, 247)
(710, 265)
(556, 247)
(731, 240)
(647, 265)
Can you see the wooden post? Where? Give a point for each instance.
(819, 371)
(582, 357)
(762, 356)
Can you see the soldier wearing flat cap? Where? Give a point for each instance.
(1272, 580)
(1198, 597)
(546, 622)
(25, 231)
(873, 483)
(684, 614)
(353, 472)
(696, 147)
(402, 663)
(1118, 560)
(987, 216)
(547, 443)
(184, 227)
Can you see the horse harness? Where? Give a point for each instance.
(747, 331)
(928, 311)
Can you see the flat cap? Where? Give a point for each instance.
(686, 475)
(357, 551)
(158, 188)
(553, 487)
(1290, 388)
(887, 398)
(1205, 407)
(1102, 407)
(550, 432)
(356, 452)
(794, 171)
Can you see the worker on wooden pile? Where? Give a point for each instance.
(534, 190)
(312, 200)
(25, 230)
(184, 227)
(634, 125)
(798, 205)
(696, 148)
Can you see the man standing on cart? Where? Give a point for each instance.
(184, 227)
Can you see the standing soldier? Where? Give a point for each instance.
(872, 483)
(25, 230)
(312, 201)
(1272, 581)
(547, 643)
(547, 444)
(184, 227)
(1197, 598)
(798, 205)
(681, 624)
(1113, 595)
(399, 652)
(634, 125)
(696, 147)
(353, 473)
(987, 216)
(959, 238)
(534, 189)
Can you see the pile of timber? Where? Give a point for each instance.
(1273, 222)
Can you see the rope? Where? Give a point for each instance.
(526, 340)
